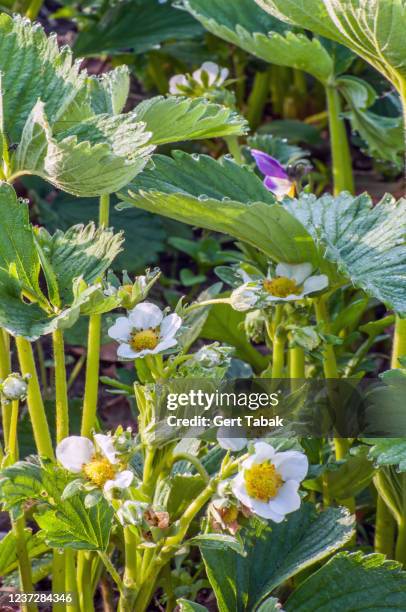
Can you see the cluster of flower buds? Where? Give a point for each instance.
(14, 387)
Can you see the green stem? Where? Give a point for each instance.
(195, 461)
(93, 347)
(84, 565)
(33, 9)
(400, 552)
(104, 210)
(58, 577)
(234, 148)
(36, 407)
(112, 571)
(384, 529)
(70, 580)
(296, 362)
(76, 370)
(61, 392)
(399, 343)
(12, 435)
(340, 149)
(258, 98)
(92, 376)
(5, 368)
(24, 565)
(342, 445)
(42, 368)
(278, 360)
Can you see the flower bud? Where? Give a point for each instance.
(14, 387)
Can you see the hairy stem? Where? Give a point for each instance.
(33, 9)
(258, 98)
(384, 529)
(36, 407)
(24, 565)
(342, 445)
(399, 342)
(61, 391)
(340, 149)
(93, 347)
(234, 148)
(5, 368)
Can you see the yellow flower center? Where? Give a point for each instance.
(144, 339)
(99, 471)
(262, 481)
(281, 286)
(128, 289)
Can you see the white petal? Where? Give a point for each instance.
(291, 465)
(263, 452)
(224, 72)
(315, 283)
(211, 69)
(74, 452)
(170, 325)
(287, 499)
(177, 79)
(232, 444)
(122, 480)
(145, 316)
(165, 344)
(265, 510)
(125, 351)
(121, 330)
(297, 272)
(105, 444)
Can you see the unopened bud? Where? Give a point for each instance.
(14, 387)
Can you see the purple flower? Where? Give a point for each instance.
(276, 178)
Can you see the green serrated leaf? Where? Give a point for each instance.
(243, 24)
(17, 245)
(174, 119)
(98, 155)
(140, 25)
(373, 29)
(81, 251)
(66, 523)
(34, 68)
(74, 525)
(225, 197)
(366, 242)
(217, 541)
(388, 451)
(352, 582)
(274, 554)
(109, 91)
(34, 543)
(383, 135)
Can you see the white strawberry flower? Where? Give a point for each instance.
(269, 481)
(146, 331)
(289, 283)
(98, 462)
(208, 75)
(212, 73)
